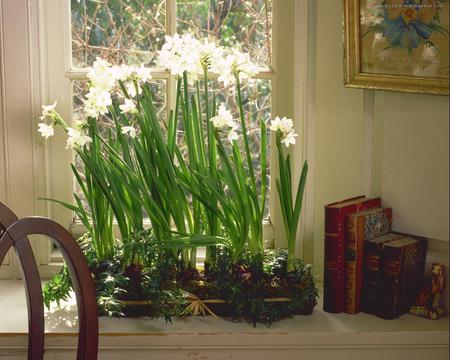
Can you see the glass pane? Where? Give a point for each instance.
(246, 24)
(121, 31)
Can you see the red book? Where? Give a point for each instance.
(361, 226)
(373, 250)
(402, 267)
(334, 266)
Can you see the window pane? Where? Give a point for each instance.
(243, 23)
(121, 31)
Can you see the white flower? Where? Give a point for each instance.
(47, 110)
(46, 130)
(101, 75)
(128, 106)
(180, 54)
(223, 119)
(232, 134)
(186, 53)
(211, 55)
(235, 63)
(289, 139)
(130, 130)
(121, 72)
(97, 102)
(76, 138)
(131, 89)
(142, 73)
(285, 125)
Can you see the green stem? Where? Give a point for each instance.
(244, 133)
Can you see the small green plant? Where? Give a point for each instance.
(290, 207)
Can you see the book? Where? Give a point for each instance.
(373, 250)
(402, 266)
(335, 217)
(361, 226)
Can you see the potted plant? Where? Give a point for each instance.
(193, 176)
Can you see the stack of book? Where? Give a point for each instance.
(368, 267)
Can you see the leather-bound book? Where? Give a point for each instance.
(361, 226)
(402, 265)
(373, 250)
(335, 225)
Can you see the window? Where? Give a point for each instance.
(72, 33)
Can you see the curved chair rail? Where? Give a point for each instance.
(15, 235)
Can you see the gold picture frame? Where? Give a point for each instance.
(399, 66)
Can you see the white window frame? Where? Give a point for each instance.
(50, 26)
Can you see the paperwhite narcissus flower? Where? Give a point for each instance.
(130, 130)
(232, 134)
(223, 118)
(128, 106)
(236, 64)
(121, 72)
(186, 53)
(97, 102)
(101, 75)
(177, 55)
(211, 55)
(47, 110)
(76, 138)
(289, 139)
(133, 89)
(286, 127)
(46, 130)
(142, 73)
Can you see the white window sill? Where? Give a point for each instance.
(408, 337)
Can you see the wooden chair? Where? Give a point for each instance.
(13, 234)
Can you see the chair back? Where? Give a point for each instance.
(14, 234)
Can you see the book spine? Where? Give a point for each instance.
(353, 263)
(391, 273)
(372, 274)
(413, 271)
(333, 288)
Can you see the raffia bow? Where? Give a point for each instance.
(198, 307)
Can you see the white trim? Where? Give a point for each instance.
(303, 116)
(4, 164)
(4, 189)
(22, 181)
(368, 144)
(283, 101)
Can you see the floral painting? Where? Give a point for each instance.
(407, 39)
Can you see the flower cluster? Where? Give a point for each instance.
(186, 53)
(48, 112)
(286, 128)
(104, 78)
(75, 135)
(224, 120)
(179, 54)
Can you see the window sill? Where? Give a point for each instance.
(318, 335)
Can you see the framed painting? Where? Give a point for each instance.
(397, 45)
